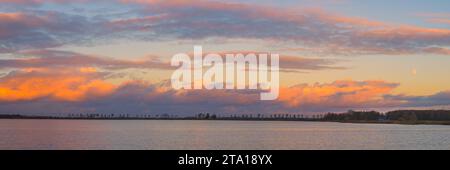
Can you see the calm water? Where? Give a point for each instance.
(180, 134)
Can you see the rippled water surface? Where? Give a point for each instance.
(190, 134)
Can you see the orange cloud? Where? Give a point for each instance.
(72, 90)
(79, 84)
(65, 85)
(338, 93)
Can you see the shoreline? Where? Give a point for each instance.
(419, 122)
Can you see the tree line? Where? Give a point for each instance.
(398, 115)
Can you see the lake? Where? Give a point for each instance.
(198, 134)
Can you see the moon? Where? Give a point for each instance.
(414, 72)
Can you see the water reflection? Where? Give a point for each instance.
(177, 134)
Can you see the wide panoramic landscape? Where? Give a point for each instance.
(224, 75)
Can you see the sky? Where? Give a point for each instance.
(113, 56)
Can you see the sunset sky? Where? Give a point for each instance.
(113, 56)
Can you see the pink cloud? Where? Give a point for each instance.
(439, 20)
(312, 28)
(157, 20)
(12, 24)
(56, 59)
